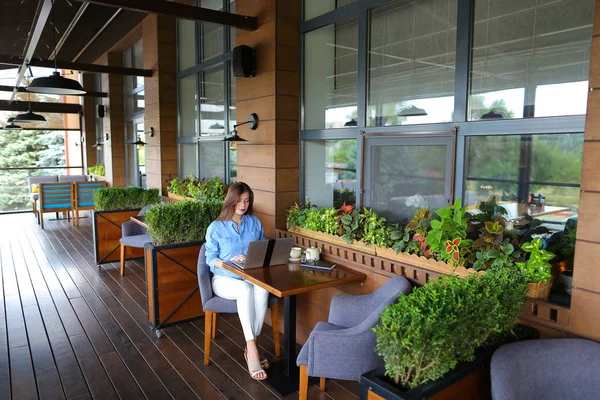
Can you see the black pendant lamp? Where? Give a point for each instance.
(55, 83)
(29, 116)
(11, 126)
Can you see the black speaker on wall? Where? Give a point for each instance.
(100, 111)
(244, 61)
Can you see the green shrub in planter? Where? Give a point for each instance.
(124, 198)
(181, 222)
(96, 169)
(425, 334)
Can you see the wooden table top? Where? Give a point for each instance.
(290, 279)
(140, 219)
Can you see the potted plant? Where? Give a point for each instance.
(97, 172)
(537, 270)
(446, 331)
(112, 207)
(177, 231)
(190, 188)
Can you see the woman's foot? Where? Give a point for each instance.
(255, 368)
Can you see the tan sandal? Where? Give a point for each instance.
(265, 364)
(255, 368)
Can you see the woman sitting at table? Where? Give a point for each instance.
(227, 239)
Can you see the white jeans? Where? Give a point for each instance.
(251, 302)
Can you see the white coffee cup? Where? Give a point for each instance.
(295, 252)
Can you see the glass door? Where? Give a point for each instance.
(403, 174)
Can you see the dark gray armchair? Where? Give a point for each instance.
(344, 347)
(549, 369)
(213, 305)
(133, 235)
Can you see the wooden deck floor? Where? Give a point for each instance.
(70, 330)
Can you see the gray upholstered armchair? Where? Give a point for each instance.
(549, 369)
(213, 305)
(344, 347)
(133, 235)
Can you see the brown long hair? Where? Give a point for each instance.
(233, 194)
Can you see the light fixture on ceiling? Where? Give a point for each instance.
(12, 127)
(29, 116)
(411, 111)
(55, 83)
(352, 122)
(492, 115)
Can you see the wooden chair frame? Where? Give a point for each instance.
(59, 193)
(84, 194)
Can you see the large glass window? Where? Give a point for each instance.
(412, 55)
(314, 8)
(188, 120)
(212, 98)
(530, 58)
(522, 169)
(330, 172)
(211, 35)
(186, 44)
(330, 76)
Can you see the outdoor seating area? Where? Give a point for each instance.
(300, 199)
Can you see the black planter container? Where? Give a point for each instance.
(469, 380)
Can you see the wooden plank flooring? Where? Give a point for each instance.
(71, 330)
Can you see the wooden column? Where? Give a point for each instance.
(161, 100)
(88, 121)
(585, 301)
(114, 147)
(269, 160)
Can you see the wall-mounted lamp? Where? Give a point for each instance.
(106, 136)
(252, 124)
(97, 144)
(151, 132)
(139, 142)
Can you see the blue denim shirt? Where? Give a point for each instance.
(223, 241)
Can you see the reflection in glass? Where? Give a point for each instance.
(512, 167)
(530, 58)
(188, 122)
(212, 98)
(212, 160)
(330, 75)
(411, 63)
(188, 159)
(211, 35)
(314, 8)
(186, 44)
(232, 165)
(330, 172)
(400, 172)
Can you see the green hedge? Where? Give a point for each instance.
(181, 222)
(425, 334)
(124, 198)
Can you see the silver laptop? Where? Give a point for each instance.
(264, 253)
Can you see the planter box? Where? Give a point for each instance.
(172, 283)
(360, 246)
(469, 380)
(107, 233)
(178, 197)
(425, 263)
(99, 178)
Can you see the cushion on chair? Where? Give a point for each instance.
(221, 305)
(72, 178)
(136, 241)
(40, 179)
(320, 327)
(549, 369)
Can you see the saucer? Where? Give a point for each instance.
(294, 260)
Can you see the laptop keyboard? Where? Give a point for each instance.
(239, 264)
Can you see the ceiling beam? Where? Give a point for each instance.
(97, 35)
(79, 66)
(68, 31)
(21, 89)
(61, 108)
(182, 11)
(43, 12)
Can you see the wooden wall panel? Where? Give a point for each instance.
(587, 259)
(590, 176)
(595, 63)
(589, 216)
(258, 86)
(264, 107)
(256, 155)
(287, 179)
(258, 178)
(264, 202)
(263, 10)
(288, 107)
(89, 121)
(585, 314)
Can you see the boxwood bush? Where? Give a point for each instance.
(124, 198)
(425, 334)
(184, 221)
